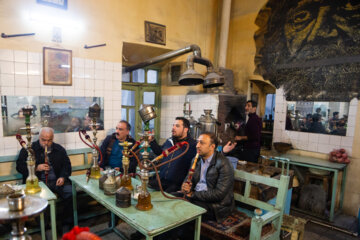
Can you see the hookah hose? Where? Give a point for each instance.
(155, 167)
(87, 137)
(47, 163)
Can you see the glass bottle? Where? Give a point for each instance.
(110, 183)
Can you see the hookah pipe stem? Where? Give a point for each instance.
(23, 144)
(191, 172)
(47, 163)
(166, 152)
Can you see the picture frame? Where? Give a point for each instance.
(57, 66)
(155, 33)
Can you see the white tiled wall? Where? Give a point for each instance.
(173, 106)
(21, 74)
(313, 142)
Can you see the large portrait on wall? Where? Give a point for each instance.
(57, 66)
(310, 47)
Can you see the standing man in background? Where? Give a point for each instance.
(251, 151)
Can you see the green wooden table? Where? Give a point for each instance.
(165, 215)
(47, 194)
(317, 163)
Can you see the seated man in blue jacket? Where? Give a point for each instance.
(112, 151)
(173, 174)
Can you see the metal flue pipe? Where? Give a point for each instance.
(191, 48)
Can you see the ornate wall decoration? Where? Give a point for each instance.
(310, 47)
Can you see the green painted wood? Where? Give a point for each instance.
(11, 158)
(313, 161)
(16, 176)
(165, 215)
(242, 175)
(253, 202)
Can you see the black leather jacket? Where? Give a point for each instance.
(220, 184)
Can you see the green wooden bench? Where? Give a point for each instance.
(271, 219)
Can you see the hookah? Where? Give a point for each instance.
(94, 171)
(126, 179)
(32, 182)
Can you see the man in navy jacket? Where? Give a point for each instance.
(173, 174)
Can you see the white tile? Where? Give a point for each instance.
(79, 83)
(7, 80)
(21, 68)
(335, 140)
(352, 110)
(79, 62)
(314, 137)
(89, 63)
(351, 121)
(108, 85)
(34, 92)
(108, 114)
(58, 91)
(69, 91)
(8, 91)
(99, 64)
(117, 76)
(108, 94)
(324, 139)
(46, 92)
(34, 69)
(302, 145)
(20, 56)
(79, 93)
(324, 148)
(70, 137)
(116, 114)
(89, 84)
(347, 141)
(116, 104)
(89, 73)
(116, 85)
(69, 146)
(21, 80)
(89, 93)
(117, 66)
(6, 55)
(33, 57)
(350, 131)
(10, 151)
(7, 67)
(109, 66)
(21, 91)
(34, 81)
(304, 137)
(79, 72)
(294, 135)
(99, 84)
(108, 75)
(99, 93)
(99, 74)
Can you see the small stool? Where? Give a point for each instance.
(326, 181)
(295, 226)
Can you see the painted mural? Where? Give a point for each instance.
(310, 47)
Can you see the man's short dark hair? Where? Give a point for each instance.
(128, 126)
(213, 138)
(253, 103)
(186, 122)
(335, 113)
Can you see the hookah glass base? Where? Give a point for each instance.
(144, 202)
(32, 186)
(95, 172)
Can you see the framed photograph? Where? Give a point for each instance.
(54, 3)
(57, 66)
(155, 33)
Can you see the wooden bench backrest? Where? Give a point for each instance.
(281, 184)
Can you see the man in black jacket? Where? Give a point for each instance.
(212, 183)
(58, 169)
(172, 174)
(112, 151)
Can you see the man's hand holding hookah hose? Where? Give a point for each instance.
(188, 181)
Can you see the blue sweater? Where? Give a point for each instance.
(176, 171)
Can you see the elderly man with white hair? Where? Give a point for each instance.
(58, 169)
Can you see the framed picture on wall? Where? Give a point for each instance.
(155, 33)
(57, 66)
